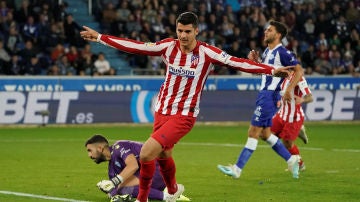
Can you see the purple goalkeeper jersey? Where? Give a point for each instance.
(119, 152)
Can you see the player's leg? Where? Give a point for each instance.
(277, 125)
(245, 154)
(172, 130)
(149, 152)
(289, 135)
(302, 135)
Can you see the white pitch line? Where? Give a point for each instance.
(39, 196)
(264, 146)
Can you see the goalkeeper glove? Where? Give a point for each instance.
(108, 185)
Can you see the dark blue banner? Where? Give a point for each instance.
(74, 107)
(125, 84)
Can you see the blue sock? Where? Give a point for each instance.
(278, 147)
(244, 157)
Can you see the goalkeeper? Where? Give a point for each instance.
(123, 169)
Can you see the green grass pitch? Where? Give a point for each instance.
(52, 161)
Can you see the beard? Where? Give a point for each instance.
(100, 158)
(269, 40)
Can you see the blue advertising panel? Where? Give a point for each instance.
(75, 107)
(153, 83)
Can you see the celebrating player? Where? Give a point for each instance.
(266, 104)
(188, 64)
(123, 157)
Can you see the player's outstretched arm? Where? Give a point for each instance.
(89, 34)
(283, 71)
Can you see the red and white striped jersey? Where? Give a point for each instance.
(186, 73)
(289, 111)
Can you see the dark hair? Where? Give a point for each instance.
(188, 18)
(96, 139)
(280, 28)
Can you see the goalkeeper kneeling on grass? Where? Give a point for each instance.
(124, 169)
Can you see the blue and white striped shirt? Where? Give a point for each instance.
(277, 57)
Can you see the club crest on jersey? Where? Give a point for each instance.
(194, 60)
(182, 71)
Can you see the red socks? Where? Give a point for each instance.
(294, 150)
(168, 169)
(147, 171)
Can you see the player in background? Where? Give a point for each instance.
(266, 103)
(123, 158)
(188, 64)
(287, 122)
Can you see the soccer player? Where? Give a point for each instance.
(123, 158)
(288, 121)
(188, 64)
(266, 104)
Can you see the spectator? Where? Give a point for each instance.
(149, 14)
(86, 51)
(73, 56)
(337, 64)
(22, 14)
(28, 52)
(16, 67)
(85, 66)
(102, 66)
(341, 28)
(4, 59)
(71, 31)
(122, 15)
(132, 24)
(322, 41)
(235, 51)
(56, 35)
(322, 65)
(309, 28)
(14, 41)
(57, 52)
(30, 30)
(33, 67)
(108, 19)
(65, 68)
(308, 57)
(352, 13)
(44, 31)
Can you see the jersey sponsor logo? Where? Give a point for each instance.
(182, 71)
(124, 151)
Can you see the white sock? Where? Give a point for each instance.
(236, 168)
(272, 140)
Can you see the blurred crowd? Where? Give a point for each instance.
(41, 37)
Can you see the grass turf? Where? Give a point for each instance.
(52, 161)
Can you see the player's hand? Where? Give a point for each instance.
(89, 34)
(253, 55)
(105, 185)
(108, 185)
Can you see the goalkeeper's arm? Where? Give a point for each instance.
(130, 169)
(121, 179)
